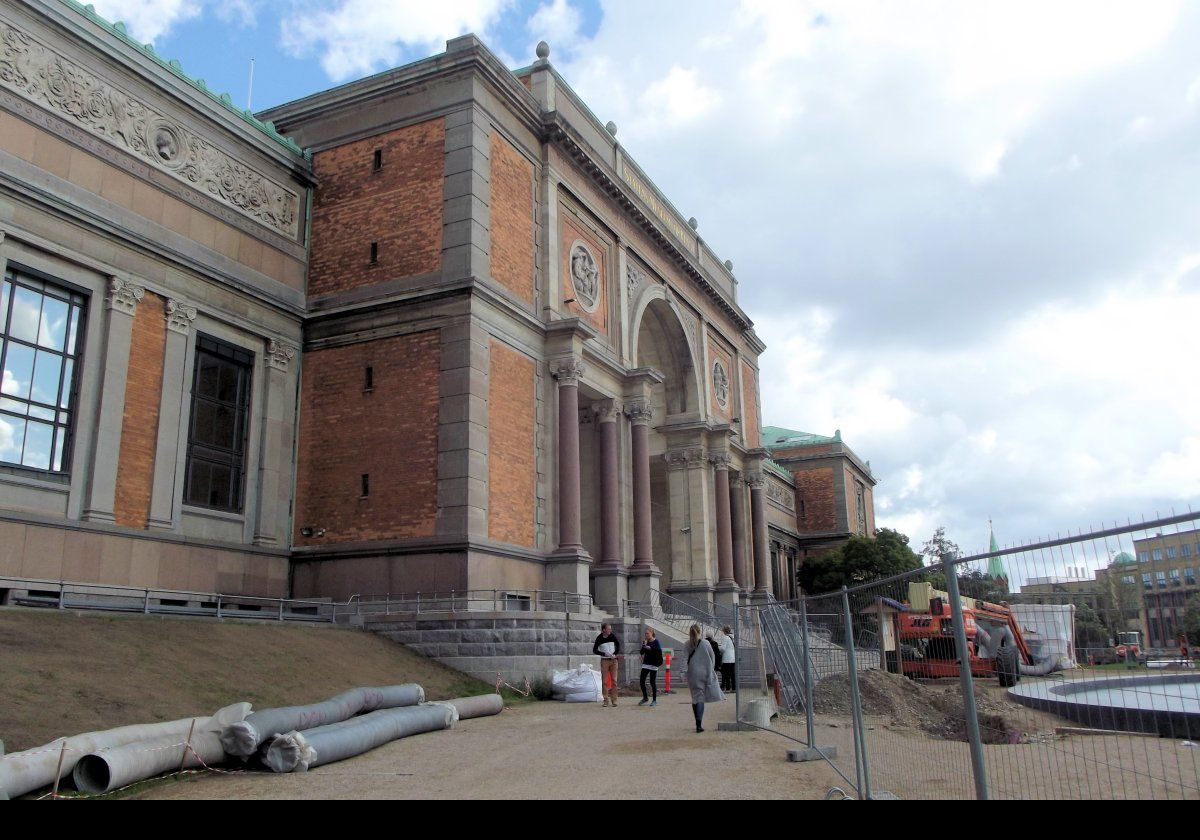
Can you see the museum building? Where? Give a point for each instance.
(431, 330)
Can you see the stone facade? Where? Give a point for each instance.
(503, 361)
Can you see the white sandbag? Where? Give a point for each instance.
(579, 685)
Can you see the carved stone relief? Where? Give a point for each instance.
(634, 277)
(124, 296)
(179, 316)
(781, 495)
(40, 75)
(585, 277)
(279, 354)
(720, 384)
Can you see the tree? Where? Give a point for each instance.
(858, 560)
(1119, 603)
(939, 545)
(1090, 631)
(1191, 620)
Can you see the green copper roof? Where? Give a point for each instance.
(996, 570)
(779, 470)
(1123, 559)
(775, 437)
(173, 65)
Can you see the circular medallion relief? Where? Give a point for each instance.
(585, 277)
(166, 143)
(720, 384)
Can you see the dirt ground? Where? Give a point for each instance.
(63, 673)
(549, 750)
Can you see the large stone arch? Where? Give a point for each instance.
(660, 341)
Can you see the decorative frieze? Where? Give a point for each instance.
(780, 494)
(124, 296)
(568, 371)
(692, 457)
(179, 316)
(40, 75)
(279, 354)
(634, 277)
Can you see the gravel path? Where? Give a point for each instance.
(549, 750)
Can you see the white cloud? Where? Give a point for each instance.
(557, 23)
(679, 99)
(358, 37)
(147, 20)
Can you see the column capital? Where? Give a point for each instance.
(756, 480)
(568, 371)
(179, 315)
(720, 460)
(607, 411)
(640, 411)
(279, 354)
(124, 295)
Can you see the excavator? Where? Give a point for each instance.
(995, 645)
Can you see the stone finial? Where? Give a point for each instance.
(693, 224)
(543, 50)
(611, 128)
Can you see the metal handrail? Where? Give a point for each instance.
(463, 600)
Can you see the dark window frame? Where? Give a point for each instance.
(65, 412)
(210, 453)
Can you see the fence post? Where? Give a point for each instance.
(146, 604)
(737, 695)
(281, 609)
(978, 769)
(861, 768)
(218, 605)
(61, 594)
(387, 603)
(809, 722)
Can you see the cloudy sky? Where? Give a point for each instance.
(968, 232)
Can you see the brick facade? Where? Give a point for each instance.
(751, 430)
(397, 206)
(139, 429)
(388, 433)
(512, 219)
(815, 488)
(511, 469)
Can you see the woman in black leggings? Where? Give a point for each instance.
(652, 660)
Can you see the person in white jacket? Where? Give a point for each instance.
(728, 658)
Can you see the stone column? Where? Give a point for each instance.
(737, 504)
(726, 592)
(120, 307)
(568, 569)
(567, 373)
(275, 453)
(607, 413)
(173, 416)
(645, 576)
(611, 576)
(758, 526)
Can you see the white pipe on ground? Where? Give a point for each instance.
(29, 770)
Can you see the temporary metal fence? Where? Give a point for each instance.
(997, 675)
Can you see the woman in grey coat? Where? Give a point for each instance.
(701, 677)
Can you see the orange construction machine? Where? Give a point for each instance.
(995, 646)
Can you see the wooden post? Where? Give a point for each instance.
(58, 773)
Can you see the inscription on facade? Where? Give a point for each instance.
(657, 207)
(38, 74)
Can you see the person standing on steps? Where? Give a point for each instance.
(701, 676)
(652, 660)
(607, 646)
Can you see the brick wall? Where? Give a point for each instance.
(815, 487)
(512, 219)
(751, 430)
(139, 427)
(511, 469)
(388, 433)
(572, 230)
(398, 206)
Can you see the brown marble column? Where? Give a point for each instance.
(640, 413)
(737, 505)
(567, 373)
(607, 414)
(724, 531)
(758, 527)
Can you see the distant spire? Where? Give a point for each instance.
(996, 570)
